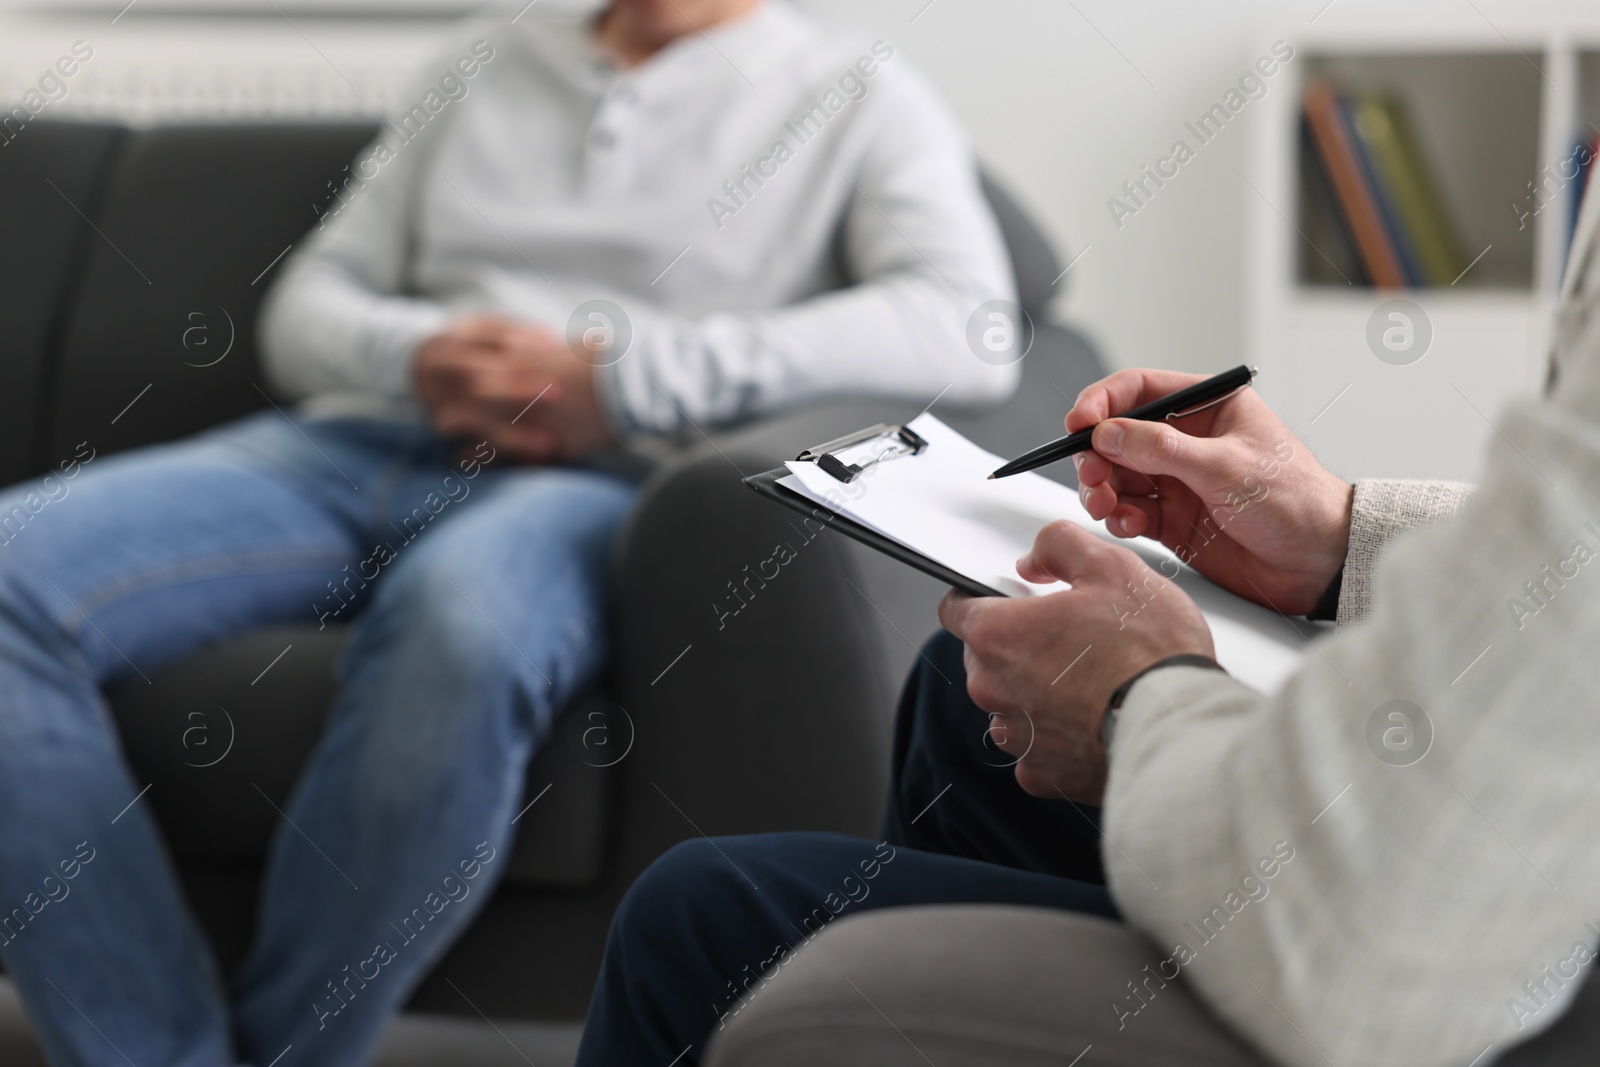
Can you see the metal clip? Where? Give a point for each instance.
(1213, 403)
(848, 457)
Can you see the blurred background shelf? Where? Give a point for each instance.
(1474, 118)
(1496, 118)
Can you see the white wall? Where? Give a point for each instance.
(1065, 119)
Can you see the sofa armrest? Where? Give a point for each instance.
(759, 654)
(745, 665)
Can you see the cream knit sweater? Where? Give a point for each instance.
(1430, 774)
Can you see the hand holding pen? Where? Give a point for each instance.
(1229, 488)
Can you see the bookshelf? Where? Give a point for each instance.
(1488, 112)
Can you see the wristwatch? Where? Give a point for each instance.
(1108, 719)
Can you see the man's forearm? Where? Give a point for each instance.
(325, 332)
(339, 317)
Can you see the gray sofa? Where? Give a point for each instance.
(697, 728)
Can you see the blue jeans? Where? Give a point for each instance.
(480, 589)
(706, 927)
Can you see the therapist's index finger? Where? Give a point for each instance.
(1116, 393)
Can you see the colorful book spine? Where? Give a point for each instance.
(1323, 229)
(1406, 185)
(1383, 194)
(1584, 153)
(1357, 206)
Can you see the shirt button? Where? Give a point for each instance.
(603, 138)
(625, 94)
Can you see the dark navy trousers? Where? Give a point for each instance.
(707, 920)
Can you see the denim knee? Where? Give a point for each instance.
(34, 619)
(429, 688)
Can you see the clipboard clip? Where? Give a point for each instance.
(1186, 412)
(847, 457)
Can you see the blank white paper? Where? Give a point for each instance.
(942, 505)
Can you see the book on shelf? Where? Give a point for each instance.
(1403, 177)
(1328, 256)
(1583, 152)
(1384, 196)
(1357, 209)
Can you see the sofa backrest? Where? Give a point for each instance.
(182, 227)
(138, 258)
(42, 177)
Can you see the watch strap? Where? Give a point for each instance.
(1327, 608)
(1108, 719)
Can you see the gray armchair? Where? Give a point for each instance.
(1007, 986)
(698, 728)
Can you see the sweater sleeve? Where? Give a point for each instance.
(923, 252)
(1381, 510)
(1382, 862)
(340, 317)
(1385, 861)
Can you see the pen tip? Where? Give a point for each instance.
(991, 477)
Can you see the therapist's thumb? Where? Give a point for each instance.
(1159, 448)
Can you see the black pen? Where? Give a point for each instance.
(1186, 401)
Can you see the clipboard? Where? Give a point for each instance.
(937, 511)
(845, 459)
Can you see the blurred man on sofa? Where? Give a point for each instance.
(1385, 861)
(667, 216)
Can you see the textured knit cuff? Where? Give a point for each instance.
(1381, 510)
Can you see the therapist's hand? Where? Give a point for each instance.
(1045, 667)
(1229, 489)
